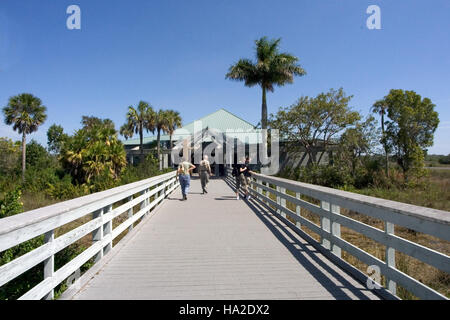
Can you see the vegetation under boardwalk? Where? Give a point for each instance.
(213, 246)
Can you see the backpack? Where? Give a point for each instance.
(234, 172)
(204, 166)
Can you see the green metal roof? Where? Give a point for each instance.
(221, 120)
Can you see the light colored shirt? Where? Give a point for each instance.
(184, 167)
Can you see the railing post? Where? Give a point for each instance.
(325, 225)
(278, 199)
(157, 195)
(298, 209)
(161, 192)
(49, 263)
(107, 229)
(166, 187)
(143, 203)
(390, 258)
(267, 192)
(330, 226)
(282, 201)
(130, 213)
(335, 230)
(97, 234)
(259, 189)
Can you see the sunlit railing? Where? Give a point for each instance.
(273, 193)
(103, 206)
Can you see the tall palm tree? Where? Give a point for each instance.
(26, 113)
(271, 68)
(138, 119)
(161, 124)
(173, 122)
(380, 107)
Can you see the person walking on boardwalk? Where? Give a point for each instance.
(237, 172)
(184, 176)
(246, 177)
(204, 171)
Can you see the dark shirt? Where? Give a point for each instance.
(237, 169)
(247, 172)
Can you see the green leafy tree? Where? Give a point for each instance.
(173, 122)
(25, 113)
(94, 151)
(56, 138)
(10, 155)
(410, 128)
(37, 155)
(313, 123)
(356, 143)
(139, 119)
(270, 68)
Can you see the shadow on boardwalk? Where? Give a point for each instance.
(305, 254)
(213, 246)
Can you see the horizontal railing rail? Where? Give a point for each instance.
(425, 220)
(45, 221)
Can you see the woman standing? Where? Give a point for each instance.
(184, 175)
(204, 172)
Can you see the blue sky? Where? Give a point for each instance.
(175, 54)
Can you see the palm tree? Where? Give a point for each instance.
(126, 131)
(93, 151)
(173, 122)
(161, 124)
(138, 119)
(26, 113)
(380, 107)
(271, 68)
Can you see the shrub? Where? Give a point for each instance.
(444, 159)
(37, 155)
(146, 169)
(37, 179)
(64, 189)
(329, 176)
(11, 203)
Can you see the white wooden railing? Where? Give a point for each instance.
(103, 206)
(429, 221)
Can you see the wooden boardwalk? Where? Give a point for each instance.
(216, 247)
